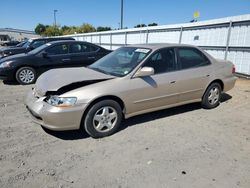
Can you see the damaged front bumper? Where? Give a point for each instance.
(54, 118)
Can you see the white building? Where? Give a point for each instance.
(7, 34)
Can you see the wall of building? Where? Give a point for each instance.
(17, 34)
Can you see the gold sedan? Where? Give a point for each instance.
(130, 81)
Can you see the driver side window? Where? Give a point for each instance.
(162, 61)
(58, 49)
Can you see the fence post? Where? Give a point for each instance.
(126, 39)
(180, 37)
(147, 36)
(100, 39)
(91, 38)
(110, 41)
(228, 39)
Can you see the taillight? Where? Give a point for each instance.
(233, 69)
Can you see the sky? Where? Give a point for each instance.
(26, 14)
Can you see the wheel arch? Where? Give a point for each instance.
(106, 97)
(23, 65)
(214, 81)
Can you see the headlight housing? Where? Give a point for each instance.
(5, 64)
(61, 101)
(3, 54)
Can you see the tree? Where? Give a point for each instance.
(40, 29)
(152, 24)
(52, 31)
(140, 25)
(86, 28)
(100, 28)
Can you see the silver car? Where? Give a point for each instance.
(130, 81)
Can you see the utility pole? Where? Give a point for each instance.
(55, 11)
(121, 14)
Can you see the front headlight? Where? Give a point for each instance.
(2, 55)
(5, 64)
(61, 101)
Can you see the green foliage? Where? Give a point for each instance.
(40, 29)
(48, 30)
(100, 28)
(140, 25)
(52, 31)
(153, 24)
(86, 28)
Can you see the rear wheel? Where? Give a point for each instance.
(26, 75)
(211, 98)
(103, 119)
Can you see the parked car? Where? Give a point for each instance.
(29, 45)
(129, 81)
(11, 43)
(25, 68)
(21, 44)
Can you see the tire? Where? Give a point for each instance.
(103, 119)
(212, 96)
(26, 75)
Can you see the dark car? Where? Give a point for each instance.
(11, 43)
(30, 45)
(25, 68)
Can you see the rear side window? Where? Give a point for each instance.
(82, 48)
(191, 58)
(58, 49)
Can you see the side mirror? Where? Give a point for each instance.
(30, 48)
(145, 71)
(44, 54)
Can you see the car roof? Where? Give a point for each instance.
(156, 46)
(66, 41)
(54, 38)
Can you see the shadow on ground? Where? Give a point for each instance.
(80, 134)
(12, 83)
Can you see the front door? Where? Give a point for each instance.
(158, 90)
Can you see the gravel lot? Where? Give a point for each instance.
(185, 146)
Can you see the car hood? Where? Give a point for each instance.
(14, 50)
(14, 57)
(56, 79)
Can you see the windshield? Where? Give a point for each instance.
(121, 61)
(21, 44)
(40, 48)
(27, 44)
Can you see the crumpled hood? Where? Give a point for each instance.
(55, 79)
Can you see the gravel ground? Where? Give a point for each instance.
(185, 146)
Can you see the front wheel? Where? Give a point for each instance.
(26, 75)
(103, 119)
(211, 98)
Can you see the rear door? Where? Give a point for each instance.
(83, 54)
(195, 71)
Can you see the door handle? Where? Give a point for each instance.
(172, 82)
(68, 59)
(91, 57)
